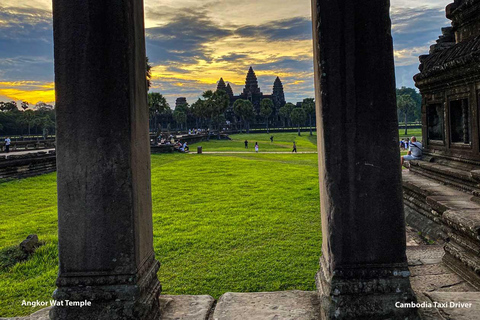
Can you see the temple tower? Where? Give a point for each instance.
(278, 96)
(229, 91)
(180, 101)
(221, 85)
(251, 84)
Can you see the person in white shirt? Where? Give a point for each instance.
(415, 151)
(7, 144)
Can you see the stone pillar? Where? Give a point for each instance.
(363, 268)
(103, 162)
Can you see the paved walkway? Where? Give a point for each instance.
(17, 153)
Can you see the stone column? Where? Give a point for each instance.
(103, 162)
(363, 268)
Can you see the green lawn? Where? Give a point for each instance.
(282, 142)
(410, 132)
(237, 222)
(222, 222)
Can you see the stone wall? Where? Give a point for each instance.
(27, 165)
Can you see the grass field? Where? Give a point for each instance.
(222, 222)
(282, 142)
(238, 222)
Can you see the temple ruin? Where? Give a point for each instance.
(442, 192)
(252, 92)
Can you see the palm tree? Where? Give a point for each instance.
(266, 108)
(406, 105)
(28, 118)
(157, 104)
(309, 106)
(298, 116)
(244, 109)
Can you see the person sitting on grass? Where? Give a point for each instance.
(415, 151)
(185, 147)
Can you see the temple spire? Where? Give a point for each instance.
(278, 96)
(229, 90)
(251, 83)
(221, 85)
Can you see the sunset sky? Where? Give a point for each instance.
(192, 43)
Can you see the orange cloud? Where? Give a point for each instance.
(30, 91)
(31, 96)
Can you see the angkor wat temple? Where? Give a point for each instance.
(252, 92)
(442, 192)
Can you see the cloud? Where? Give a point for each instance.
(414, 29)
(298, 28)
(183, 39)
(192, 43)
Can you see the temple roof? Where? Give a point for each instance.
(456, 56)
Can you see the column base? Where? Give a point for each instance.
(129, 297)
(365, 292)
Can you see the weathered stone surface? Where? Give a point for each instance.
(284, 305)
(104, 192)
(459, 305)
(185, 307)
(363, 267)
(39, 315)
(30, 244)
(434, 205)
(427, 278)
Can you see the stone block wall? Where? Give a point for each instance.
(27, 165)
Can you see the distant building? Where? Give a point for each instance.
(252, 92)
(180, 101)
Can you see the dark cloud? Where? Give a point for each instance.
(183, 39)
(289, 64)
(298, 28)
(415, 27)
(233, 57)
(26, 39)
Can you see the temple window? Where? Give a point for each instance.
(459, 121)
(435, 122)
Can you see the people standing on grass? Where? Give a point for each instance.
(7, 144)
(271, 138)
(256, 146)
(246, 144)
(294, 147)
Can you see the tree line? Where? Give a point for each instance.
(38, 119)
(213, 111)
(409, 106)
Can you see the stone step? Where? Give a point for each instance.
(454, 209)
(459, 178)
(282, 305)
(430, 205)
(456, 305)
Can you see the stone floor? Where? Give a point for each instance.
(431, 281)
(21, 152)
